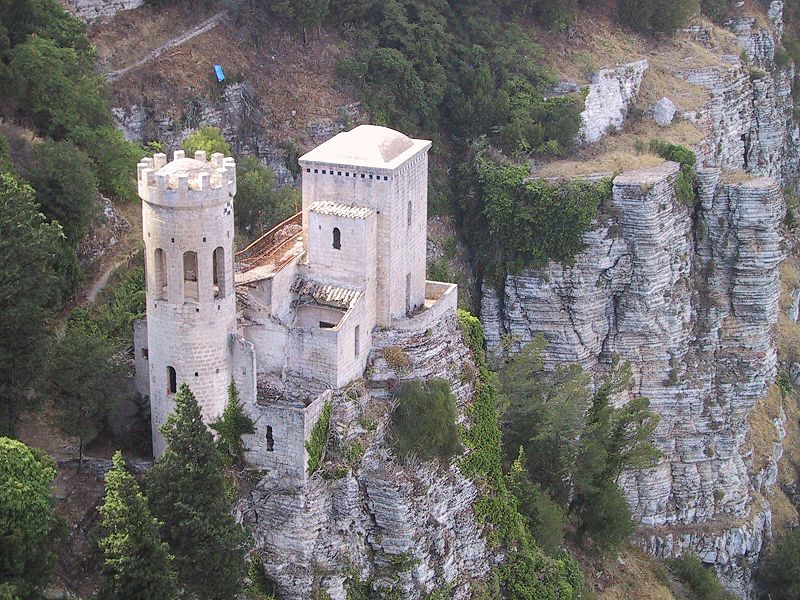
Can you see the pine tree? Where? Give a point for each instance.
(138, 565)
(187, 492)
(231, 426)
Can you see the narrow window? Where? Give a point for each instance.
(190, 291)
(145, 354)
(409, 213)
(172, 380)
(358, 340)
(408, 293)
(337, 238)
(161, 274)
(270, 439)
(219, 272)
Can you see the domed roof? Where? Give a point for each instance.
(366, 145)
(185, 166)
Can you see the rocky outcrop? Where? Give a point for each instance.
(690, 299)
(95, 10)
(366, 516)
(610, 94)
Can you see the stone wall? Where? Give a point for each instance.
(94, 10)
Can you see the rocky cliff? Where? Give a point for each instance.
(689, 295)
(365, 516)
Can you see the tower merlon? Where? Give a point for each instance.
(187, 182)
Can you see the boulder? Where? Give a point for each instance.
(664, 111)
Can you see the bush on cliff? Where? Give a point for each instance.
(780, 573)
(700, 580)
(424, 422)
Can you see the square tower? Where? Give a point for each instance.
(386, 171)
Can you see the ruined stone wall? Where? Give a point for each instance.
(94, 10)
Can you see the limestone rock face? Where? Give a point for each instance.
(692, 308)
(405, 526)
(664, 111)
(611, 94)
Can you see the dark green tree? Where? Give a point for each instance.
(231, 426)
(780, 574)
(614, 439)
(28, 522)
(66, 188)
(187, 492)
(545, 416)
(259, 204)
(29, 247)
(83, 379)
(424, 422)
(137, 564)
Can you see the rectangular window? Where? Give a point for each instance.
(358, 340)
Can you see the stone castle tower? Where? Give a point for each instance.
(187, 218)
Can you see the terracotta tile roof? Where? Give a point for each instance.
(329, 295)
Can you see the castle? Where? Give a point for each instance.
(290, 318)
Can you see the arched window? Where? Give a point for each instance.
(190, 291)
(409, 213)
(172, 380)
(219, 272)
(337, 238)
(270, 439)
(160, 260)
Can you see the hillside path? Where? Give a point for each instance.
(206, 25)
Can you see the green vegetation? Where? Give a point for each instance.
(687, 178)
(259, 204)
(83, 378)
(29, 287)
(549, 410)
(700, 580)
(780, 574)
(27, 520)
(231, 426)
(424, 422)
(137, 564)
(209, 139)
(126, 304)
(527, 573)
(315, 446)
(660, 16)
(187, 492)
(517, 223)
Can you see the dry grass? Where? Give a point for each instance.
(633, 575)
(622, 151)
(737, 176)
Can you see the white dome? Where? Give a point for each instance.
(366, 145)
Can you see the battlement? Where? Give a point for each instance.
(186, 182)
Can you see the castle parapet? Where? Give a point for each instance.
(186, 182)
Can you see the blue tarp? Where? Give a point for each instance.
(220, 74)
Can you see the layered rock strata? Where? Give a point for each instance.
(366, 516)
(691, 305)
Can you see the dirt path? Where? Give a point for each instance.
(101, 282)
(206, 25)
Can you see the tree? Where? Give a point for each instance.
(780, 575)
(231, 426)
(614, 439)
(137, 564)
(206, 138)
(28, 523)
(66, 188)
(29, 247)
(258, 203)
(545, 518)
(545, 416)
(187, 492)
(83, 379)
(424, 422)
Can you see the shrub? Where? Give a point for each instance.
(258, 203)
(687, 178)
(126, 305)
(231, 426)
(65, 185)
(397, 358)
(424, 422)
(702, 581)
(315, 446)
(206, 138)
(659, 16)
(780, 573)
(27, 519)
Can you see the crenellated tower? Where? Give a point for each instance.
(187, 219)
